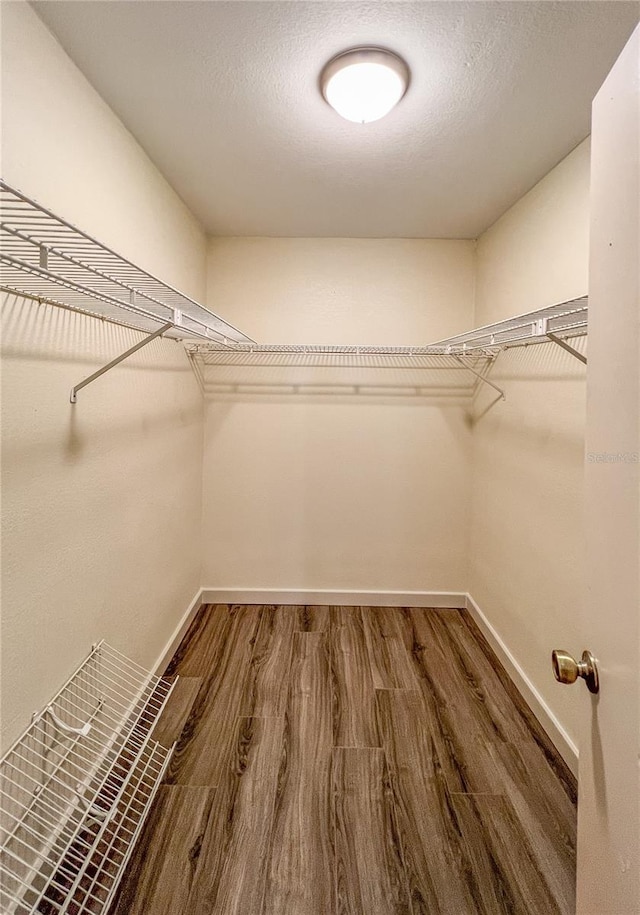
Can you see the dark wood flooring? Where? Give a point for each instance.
(351, 761)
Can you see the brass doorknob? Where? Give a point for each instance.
(567, 670)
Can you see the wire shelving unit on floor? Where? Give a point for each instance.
(76, 787)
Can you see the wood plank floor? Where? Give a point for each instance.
(351, 761)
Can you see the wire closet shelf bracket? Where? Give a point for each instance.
(76, 787)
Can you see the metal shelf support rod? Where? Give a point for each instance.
(481, 377)
(566, 346)
(119, 359)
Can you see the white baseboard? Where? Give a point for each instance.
(559, 737)
(178, 633)
(336, 598)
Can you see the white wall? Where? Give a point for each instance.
(527, 540)
(342, 290)
(537, 253)
(309, 486)
(101, 501)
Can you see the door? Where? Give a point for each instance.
(609, 787)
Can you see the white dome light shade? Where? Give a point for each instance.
(364, 84)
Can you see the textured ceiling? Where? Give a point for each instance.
(224, 98)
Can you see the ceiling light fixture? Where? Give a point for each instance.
(364, 84)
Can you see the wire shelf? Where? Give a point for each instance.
(311, 350)
(565, 320)
(76, 787)
(347, 357)
(47, 258)
(455, 367)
